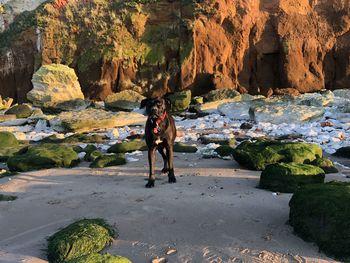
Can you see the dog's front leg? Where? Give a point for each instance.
(152, 162)
(171, 174)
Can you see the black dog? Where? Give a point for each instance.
(160, 133)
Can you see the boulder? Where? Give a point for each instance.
(316, 99)
(7, 198)
(286, 91)
(71, 105)
(75, 138)
(79, 239)
(7, 139)
(205, 139)
(184, 148)
(343, 152)
(224, 150)
(283, 113)
(128, 146)
(222, 94)
(212, 106)
(288, 177)
(7, 152)
(126, 100)
(92, 156)
(257, 155)
(107, 160)
(98, 258)
(21, 111)
(8, 117)
(94, 119)
(43, 156)
(54, 84)
(320, 213)
(180, 101)
(342, 93)
(325, 164)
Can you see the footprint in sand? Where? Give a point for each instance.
(214, 255)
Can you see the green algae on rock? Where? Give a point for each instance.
(91, 156)
(43, 156)
(75, 138)
(126, 100)
(184, 148)
(222, 141)
(7, 197)
(222, 94)
(79, 239)
(224, 150)
(257, 155)
(107, 160)
(128, 146)
(343, 152)
(98, 258)
(180, 101)
(21, 111)
(7, 139)
(325, 164)
(288, 177)
(320, 213)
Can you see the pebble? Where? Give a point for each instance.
(159, 260)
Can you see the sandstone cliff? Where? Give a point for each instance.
(167, 45)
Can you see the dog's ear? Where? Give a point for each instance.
(167, 103)
(143, 103)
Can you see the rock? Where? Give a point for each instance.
(236, 111)
(39, 115)
(342, 93)
(15, 122)
(7, 139)
(180, 101)
(343, 152)
(215, 105)
(108, 160)
(222, 94)
(205, 139)
(79, 239)
(278, 114)
(246, 126)
(98, 258)
(54, 84)
(5, 103)
(21, 111)
(184, 148)
(287, 91)
(128, 146)
(288, 177)
(7, 152)
(71, 105)
(126, 100)
(113, 134)
(43, 156)
(75, 138)
(320, 213)
(257, 155)
(8, 117)
(224, 150)
(93, 119)
(325, 164)
(317, 99)
(7, 198)
(159, 260)
(197, 100)
(92, 156)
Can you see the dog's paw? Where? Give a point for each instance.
(172, 180)
(165, 170)
(150, 184)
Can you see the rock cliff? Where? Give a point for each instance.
(166, 45)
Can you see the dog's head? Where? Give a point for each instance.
(156, 107)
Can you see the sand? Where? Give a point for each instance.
(214, 213)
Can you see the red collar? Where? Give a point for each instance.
(159, 121)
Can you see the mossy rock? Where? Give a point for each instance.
(224, 150)
(126, 100)
(7, 152)
(98, 258)
(288, 177)
(8, 117)
(43, 156)
(89, 149)
(106, 160)
(222, 141)
(197, 100)
(128, 146)
(7, 197)
(21, 111)
(7, 139)
(320, 213)
(91, 156)
(75, 138)
(325, 164)
(257, 155)
(180, 101)
(79, 239)
(184, 148)
(221, 94)
(343, 152)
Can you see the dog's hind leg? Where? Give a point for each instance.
(162, 152)
(152, 162)
(170, 155)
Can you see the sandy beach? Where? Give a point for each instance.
(214, 213)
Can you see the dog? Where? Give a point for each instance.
(160, 134)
